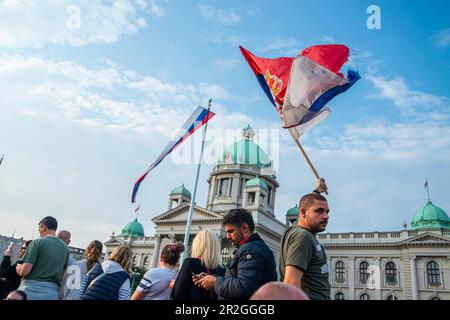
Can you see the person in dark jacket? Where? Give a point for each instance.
(8, 270)
(109, 280)
(205, 259)
(253, 263)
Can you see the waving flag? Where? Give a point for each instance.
(314, 81)
(300, 87)
(272, 75)
(195, 121)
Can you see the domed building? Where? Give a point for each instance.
(243, 177)
(430, 217)
(410, 264)
(133, 229)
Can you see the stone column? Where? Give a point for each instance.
(351, 278)
(330, 273)
(211, 193)
(379, 280)
(414, 287)
(155, 257)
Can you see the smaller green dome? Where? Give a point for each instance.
(293, 211)
(257, 182)
(181, 190)
(430, 217)
(133, 229)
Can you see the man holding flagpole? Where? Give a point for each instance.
(303, 261)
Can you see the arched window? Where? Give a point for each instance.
(433, 274)
(340, 272)
(339, 296)
(391, 273)
(435, 298)
(363, 272)
(391, 297)
(364, 296)
(146, 262)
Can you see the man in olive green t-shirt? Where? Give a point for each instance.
(44, 263)
(303, 262)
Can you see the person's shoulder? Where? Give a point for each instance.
(300, 234)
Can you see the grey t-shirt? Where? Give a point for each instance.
(301, 249)
(155, 283)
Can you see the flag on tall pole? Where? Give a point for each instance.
(194, 194)
(428, 189)
(198, 118)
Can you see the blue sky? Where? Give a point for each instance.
(87, 104)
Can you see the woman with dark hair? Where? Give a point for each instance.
(71, 283)
(155, 285)
(8, 270)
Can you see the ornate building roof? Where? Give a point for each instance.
(293, 211)
(133, 229)
(257, 182)
(246, 151)
(430, 217)
(181, 190)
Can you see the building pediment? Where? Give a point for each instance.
(180, 214)
(113, 241)
(427, 238)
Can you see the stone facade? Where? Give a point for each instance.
(404, 265)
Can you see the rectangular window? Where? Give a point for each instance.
(242, 186)
(223, 187)
(250, 199)
(269, 196)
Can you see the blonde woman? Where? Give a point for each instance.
(205, 259)
(70, 286)
(109, 280)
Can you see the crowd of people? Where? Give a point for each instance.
(46, 271)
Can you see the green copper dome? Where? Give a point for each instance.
(245, 151)
(257, 182)
(133, 229)
(293, 211)
(181, 189)
(430, 217)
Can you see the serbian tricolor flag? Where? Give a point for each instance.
(195, 121)
(300, 87)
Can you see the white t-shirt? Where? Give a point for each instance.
(155, 283)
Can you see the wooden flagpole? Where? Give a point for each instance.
(297, 142)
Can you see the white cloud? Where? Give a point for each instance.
(442, 38)
(29, 23)
(413, 104)
(227, 17)
(227, 63)
(287, 46)
(107, 96)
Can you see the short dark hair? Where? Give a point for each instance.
(307, 200)
(237, 217)
(49, 222)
